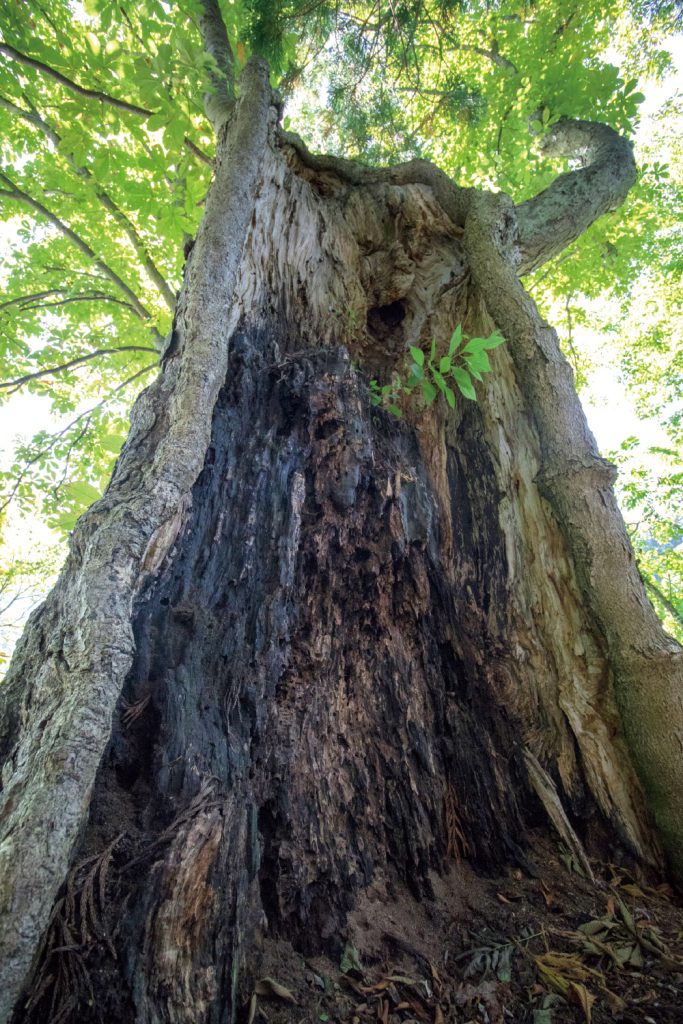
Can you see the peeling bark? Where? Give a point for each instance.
(299, 647)
(647, 663)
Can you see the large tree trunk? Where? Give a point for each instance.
(301, 647)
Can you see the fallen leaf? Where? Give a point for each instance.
(379, 987)
(615, 1002)
(580, 995)
(547, 895)
(350, 960)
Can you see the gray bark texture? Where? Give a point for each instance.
(299, 647)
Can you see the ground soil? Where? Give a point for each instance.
(551, 949)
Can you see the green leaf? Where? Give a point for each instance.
(456, 338)
(82, 492)
(112, 442)
(450, 397)
(418, 355)
(428, 392)
(478, 344)
(158, 121)
(478, 361)
(66, 521)
(464, 382)
(444, 364)
(440, 382)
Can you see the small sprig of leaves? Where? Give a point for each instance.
(430, 375)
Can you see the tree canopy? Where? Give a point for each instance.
(107, 157)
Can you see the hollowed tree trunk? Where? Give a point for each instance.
(347, 649)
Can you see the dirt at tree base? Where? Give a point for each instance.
(551, 949)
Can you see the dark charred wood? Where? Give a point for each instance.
(315, 712)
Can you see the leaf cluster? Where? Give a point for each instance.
(430, 374)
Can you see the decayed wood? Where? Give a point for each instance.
(647, 664)
(345, 625)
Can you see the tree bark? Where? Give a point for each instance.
(301, 647)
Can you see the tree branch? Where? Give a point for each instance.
(151, 269)
(68, 83)
(219, 103)
(95, 297)
(13, 192)
(33, 296)
(35, 119)
(663, 599)
(56, 437)
(19, 381)
(647, 664)
(199, 153)
(556, 217)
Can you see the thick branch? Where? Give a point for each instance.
(68, 83)
(556, 217)
(50, 776)
(646, 662)
(219, 103)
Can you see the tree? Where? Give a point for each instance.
(297, 633)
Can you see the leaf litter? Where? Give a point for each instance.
(556, 949)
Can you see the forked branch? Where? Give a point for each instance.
(550, 221)
(51, 371)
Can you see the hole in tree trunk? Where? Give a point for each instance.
(383, 321)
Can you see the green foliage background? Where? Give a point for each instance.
(105, 160)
